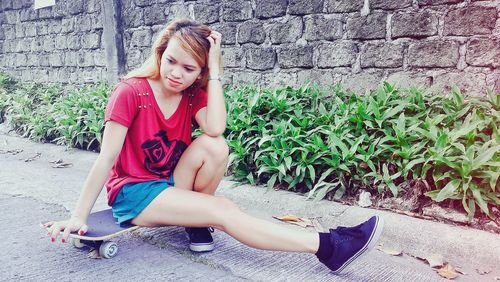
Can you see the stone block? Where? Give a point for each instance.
(37, 44)
(288, 32)
(300, 7)
(11, 17)
(279, 79)
(382, 55)
(30, 30)
(295, 57)
(133, 18)
(28, 15)
(60, 42)
(390, 4)
(67, 25)
(367, 27)
(205, 13)
(56, 59)
(48, 43)
(85, 59)
(142, 3)
(177, 11)
(336, 54)
(437, 2)
(75, 7)
(228, 31)
(251, 31)
(265, 9)
(73, 42)
(32, 60)
(21, 60)
(6, 5)
(155, 15)
(470, 21)
(141, 38)
(93, 6)
(134, 59)
(362, 82)
(322, 78)
(44, 60)
(414, 24)
(233, 57)
(91, 40)
(343, 6)
(322, 27)
(99, 58)
(433, 54)
(236, 10)
(95, 21)
(83, 23)
(9, 31)
(70, 59)
(54, 28)
(406, 79)
(42, 28)
(468, 83)
(260, 58)
(246, 78)
(19, 31)
(46, 13)
(483, 52)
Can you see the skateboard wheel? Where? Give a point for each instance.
(76, 243)
(108, 249)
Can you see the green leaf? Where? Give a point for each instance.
(485, 156)
(448, 191)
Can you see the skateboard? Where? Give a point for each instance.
(102, 228)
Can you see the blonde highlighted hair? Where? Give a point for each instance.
(191, 37)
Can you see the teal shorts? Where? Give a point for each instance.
(134, 197)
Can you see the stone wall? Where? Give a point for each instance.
(270, 42)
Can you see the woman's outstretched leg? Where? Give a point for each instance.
(336, 249)
(176, 206)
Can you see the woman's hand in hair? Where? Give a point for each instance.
(214, 55)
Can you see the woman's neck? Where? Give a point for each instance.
(158, 87)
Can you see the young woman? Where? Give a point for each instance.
(156, 176)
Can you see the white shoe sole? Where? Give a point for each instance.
(206, 247)
(370, 244)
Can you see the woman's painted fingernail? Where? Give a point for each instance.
(63, 241)
(52, 239)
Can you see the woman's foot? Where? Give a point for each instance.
(349, 243)
(200, 239)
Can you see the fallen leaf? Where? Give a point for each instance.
(94, 254)
(447, 272)
(36, 156)
(292, 219)
(483, 271)
(62, 165)
(390, 251)
(288, 217)
(435, 260)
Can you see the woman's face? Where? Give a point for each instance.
(178, 70)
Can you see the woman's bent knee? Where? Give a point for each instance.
(216, 147)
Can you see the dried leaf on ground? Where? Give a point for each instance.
(94, 254)
(483, 271)
(390, 251)
(60, 164)
(435, 260)
(447, 272)
(292, 219)
(12, 152)
(36, 156)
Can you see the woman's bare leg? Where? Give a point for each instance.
(202, 165)
(176, 206)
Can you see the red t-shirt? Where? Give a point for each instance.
(153, 144)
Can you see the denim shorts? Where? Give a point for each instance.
(134, 197)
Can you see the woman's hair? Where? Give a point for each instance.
(191, 37)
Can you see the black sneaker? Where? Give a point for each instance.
(200, 239)
(349, 243)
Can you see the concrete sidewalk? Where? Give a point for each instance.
(34, 191)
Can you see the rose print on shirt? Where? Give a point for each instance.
(161, 154)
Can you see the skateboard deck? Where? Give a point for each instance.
(101, 228)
